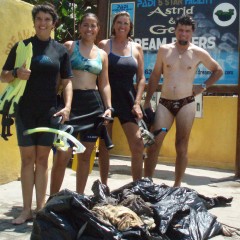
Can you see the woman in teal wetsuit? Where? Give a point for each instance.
(91, 94)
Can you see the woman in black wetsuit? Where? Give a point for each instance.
(125, 61)
(50, 59)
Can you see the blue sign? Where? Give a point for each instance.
(217, 31)
(119, 7)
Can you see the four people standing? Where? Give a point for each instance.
(121, 59)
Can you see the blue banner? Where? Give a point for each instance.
(217, 30)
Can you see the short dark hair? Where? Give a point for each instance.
(46, 8)
(120, 14)
(186, 20)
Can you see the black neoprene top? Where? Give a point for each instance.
(49, 59)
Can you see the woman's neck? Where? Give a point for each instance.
(43, 38)
(120, 40)
(87, 44)
(121, 43)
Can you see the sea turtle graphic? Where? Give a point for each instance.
(225, 15)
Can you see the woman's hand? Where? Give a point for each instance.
(137, 111)
(107, 113)
(65, 112)
(23, 73)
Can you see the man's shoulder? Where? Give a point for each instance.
(196, 48)
(166, 47)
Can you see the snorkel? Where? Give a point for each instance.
(78, 147)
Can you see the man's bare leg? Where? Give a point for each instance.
(183, 129)
(163, 119)
(152, 158)
(61, 159)
(180, 167)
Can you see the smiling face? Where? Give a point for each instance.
(122, 25)
(89, 28)
(43, 24)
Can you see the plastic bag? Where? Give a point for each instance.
(179, 213)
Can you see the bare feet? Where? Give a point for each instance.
(23, 217)
(177, 185)
(35, 211)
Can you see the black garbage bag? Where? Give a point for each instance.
(179, 213)
(66, 216)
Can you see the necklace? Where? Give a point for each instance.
(181, 53)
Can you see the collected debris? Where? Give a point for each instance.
(138, 210)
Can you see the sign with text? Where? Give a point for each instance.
(217, 30)
(118, 7)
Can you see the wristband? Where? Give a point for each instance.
(137, 102)
(111, 109)
(14, 72)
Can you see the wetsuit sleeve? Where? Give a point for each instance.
(65, 66)
(10, 62)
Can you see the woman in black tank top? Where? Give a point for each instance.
(125, 62)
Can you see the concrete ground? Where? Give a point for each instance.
(209, 182)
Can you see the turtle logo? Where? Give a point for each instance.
(224, 14)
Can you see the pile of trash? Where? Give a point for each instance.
(140, 210)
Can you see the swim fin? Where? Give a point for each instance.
(16, 88)
(11, 95)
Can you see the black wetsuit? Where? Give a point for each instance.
(121, 73)
(49, 59)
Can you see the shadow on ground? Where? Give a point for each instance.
(6, 223)
(190, 179)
